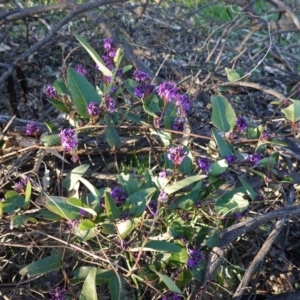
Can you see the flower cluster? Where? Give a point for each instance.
(93, 109)
(163, 196)
(241, 124)
(254, 158)
(81, 69)
(72, 224)
(167, 91)
(178, 124)
(184, 101)
(119, 195)
(141, 76)
(230, 158)
(143, 90)
(204, 164)
(109, 103)
(176, 155)
(152, 208)
(264, 137)
(172, 296)
(50, 91)
(32, 128)
(125, 215)
(68, 139)
(195, 257)
(20, 185)
(57, 294)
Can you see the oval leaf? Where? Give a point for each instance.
(89, 287)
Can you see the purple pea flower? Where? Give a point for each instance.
(141, 76)
(109, 103)
(163, 196)
(176, 155)
(167, 91)
(172, 296)
(50, 91)
(195, 257)
(20, 185)
(108, 61)
(93, 109)
(254, 158)
(108, 44)
(81, 70)
(204, 164)
(57, 294)
(32, 128)
(152, 208)
(184, 101)
(143, 90)
(178, 124)
(125, 215)
(68, 139)
(241, 124)
(230, 158)
(119, 195)
(265, 136)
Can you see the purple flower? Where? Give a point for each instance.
(172, 296)
(110, 103)
(112, 53)
(152, 208)
(93, 109)
(230, 158)
(32, 128)
(57, 294)
(141, 76)
(204, 164)
(68, 139)
(195, 257)
(108, 44)
(185, 216)
(254, 158)
(238, 216)
(264, 136)
(81, 69)
(143, 90)
(167, 91)
(50, 91)
(20, 185)
(108, 61)
(176, 155)
(72, 224)
(184, 101)
(178, 124)
(119, 195)
(163, 196)
(241, 124)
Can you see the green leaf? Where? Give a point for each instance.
(183, 278)
(50, 140)
(27, 195)
(292, 112)
(130, 84)
(12, 202)
(124, 228)
(213, 240)
(81, 206)
(82, 92)
(128, 182)
(59, 105)
(111, 133)
(60, 87)
(187, 164)
(116, 288)
(218, 167)
(94, 55)
(59, 206)
(112, 210)
(51, 127)
(151, 106)
(163, 135)
(72, 178)
(18, 221)
(224, 149)
(137, 202)
(223, 116)
(178, 185)
(233, 75)
(88, 291)
(86, 225)
(179, 259)
(162, 246)
(232, 202)
(126, 69)
(249, 189)
(102, 275)
(166, 280)
(42, 266)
